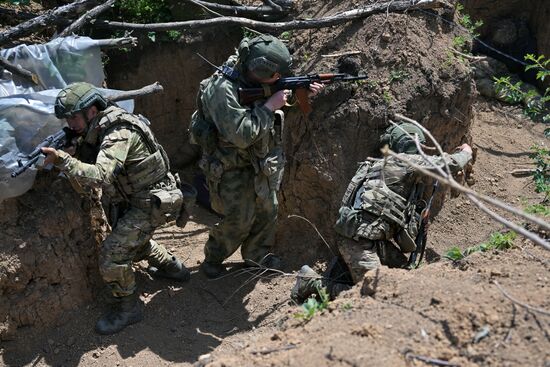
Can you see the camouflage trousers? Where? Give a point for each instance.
(129, 241)
(364, 255)
(248, 220)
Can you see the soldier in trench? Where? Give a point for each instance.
(378, 221)
(126, 161)
(242, 153)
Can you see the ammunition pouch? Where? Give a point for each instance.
(348, 222)
(406, 236)
(165, 205)
(189, 195)
(203, 133)
(213, 171)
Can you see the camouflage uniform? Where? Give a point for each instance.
(243, 164)
(377, 210)
(132, 168)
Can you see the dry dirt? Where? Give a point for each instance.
(248, 320)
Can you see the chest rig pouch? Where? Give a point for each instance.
(203, 132)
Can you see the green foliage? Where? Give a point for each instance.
(387, 97)
(467, 22)
(248, 33)
(497, 241)
(511, 93)
(541, 156)
(398, 75)
(347, 306)
(286, 35)
(538, 209)
(145, 11)
(313, 306)
(459, 43)
(17, 2)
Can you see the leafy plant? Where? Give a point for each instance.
(286, 35)
(313, 306)
(541, 156)
(145, 11)
(387, 97)
(497, 241)
(511, 93)
(398, 75)
(467, 22)
(459, 43)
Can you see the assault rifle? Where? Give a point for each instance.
(298, 84)
(58, 140)
(422, 235)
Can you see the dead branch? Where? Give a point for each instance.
(240, 9)
(17, 14)
(469, 57)
(429, 360)
(522, 172)
(86, 18)
(271, 350)
(117, 42)
(45, 20)
(345, 53)
(210, 335)
(347, 16)
(156, 87)
(19, 71)
(524, 305)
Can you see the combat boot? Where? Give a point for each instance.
(307, 283)
(124, 311)
(173, 270)
(213, 270)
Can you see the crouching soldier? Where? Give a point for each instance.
(126, 161)
(379, 220)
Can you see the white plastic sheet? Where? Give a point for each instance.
(26, 111)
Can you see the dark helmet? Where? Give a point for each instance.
(77, 97)
(265, 55)
(398, 140)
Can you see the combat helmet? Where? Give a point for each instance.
(265, 55)
(77, 97)
(398, 139)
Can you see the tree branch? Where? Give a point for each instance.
(156, 87)
(239, 9)
(45, 20)
(86, 18)
(19, 71)
(393, 6)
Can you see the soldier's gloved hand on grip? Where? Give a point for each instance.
(51, 155)
(277, 100)
(315, 88)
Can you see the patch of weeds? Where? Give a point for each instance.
(541, 156)
(371, 84)
(248, 33)
(398, 75)
(387, 97)
(174, 35)
(459, 43)
(145, 11)
(511, 93)
(497, 241)
(538, 209)
(313, 306)
(347, 306)
(286, 35)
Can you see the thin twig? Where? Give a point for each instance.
(524, 305)
(271, 350)
(316, 230)
(429, 360)
(344, 53)
(210, 335)
(469, 57)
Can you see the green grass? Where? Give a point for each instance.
(538, 209)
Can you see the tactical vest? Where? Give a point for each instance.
(135, 176)
(368, 192)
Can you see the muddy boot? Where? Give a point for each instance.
(125, 311)
(173, 270)
(307, 283)
(213, 270)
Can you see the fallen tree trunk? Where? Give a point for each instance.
(156, 87)
(332, 20)
(240, 9)
(45, 20)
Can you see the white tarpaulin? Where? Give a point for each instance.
(26, 111)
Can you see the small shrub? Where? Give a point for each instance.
(541, 156)
(313, 306)
(538, 209)
(497, 241)
(398, 75)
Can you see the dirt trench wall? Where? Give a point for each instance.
(411, 71)
(179, 70)
(48, 254)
